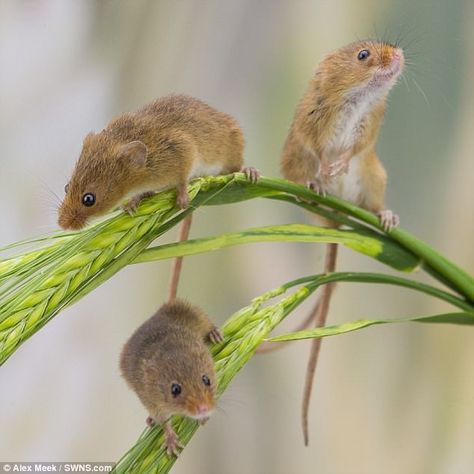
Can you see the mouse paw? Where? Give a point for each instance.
(338, 168)
(131, 206)
(172, 443)
(317, 187)
(215, 336)
(150, 422)
(388, 219)
(182, 198)
(251, 173)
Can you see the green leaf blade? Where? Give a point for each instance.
(368, 243)
(463, 318)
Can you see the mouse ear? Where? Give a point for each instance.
(135, 152)
(88, 136)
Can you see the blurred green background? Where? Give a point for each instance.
(397, 399)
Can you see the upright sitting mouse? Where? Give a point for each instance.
(162, 145)
(169, 366)
(331, 144)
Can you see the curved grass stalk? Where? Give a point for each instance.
(437, 265)
(38, 284)
(368, 243)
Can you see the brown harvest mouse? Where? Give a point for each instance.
(331, 145)
(162, 145)
(168, 364)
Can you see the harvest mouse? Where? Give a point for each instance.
(168, 365)
(162, 145)
(331, 145)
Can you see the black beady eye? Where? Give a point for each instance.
(66, 188)
(88, 199)
(206, 381)
(363, 54)
(175, 389)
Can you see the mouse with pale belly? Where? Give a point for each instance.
(331, 146)
(163, 145)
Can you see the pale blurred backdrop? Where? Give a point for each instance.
(397, 399)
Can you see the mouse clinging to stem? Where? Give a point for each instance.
(331, 144)
(162, 145)
(168, 364)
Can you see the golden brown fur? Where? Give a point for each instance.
(162, 145)
(342, 87)
(331, 147)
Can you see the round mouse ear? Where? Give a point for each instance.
(134, 152)
(88, 137)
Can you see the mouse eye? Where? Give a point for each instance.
(88, 199)
(175, 389)
(363, 54)
(206, 381)
(66, 188)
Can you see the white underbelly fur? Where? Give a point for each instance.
(348, 186)
(201, 168)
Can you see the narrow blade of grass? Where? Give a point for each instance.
(463, 318)
(370, 244)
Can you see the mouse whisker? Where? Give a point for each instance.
(422, 92)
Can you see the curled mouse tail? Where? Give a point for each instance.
(266, 347)
(319, 316)
(178, 261)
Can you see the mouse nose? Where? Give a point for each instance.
(202, 409)
(397, 55)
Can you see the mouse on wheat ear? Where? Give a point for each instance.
(167, 363)
(163, 145)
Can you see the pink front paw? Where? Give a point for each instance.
(338, 168)
(388, 219)
(132, 205)
(150, 422)
(215, 336)
(251, 173)
(172, 443)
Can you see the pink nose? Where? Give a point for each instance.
(397, 55)
(202, 409)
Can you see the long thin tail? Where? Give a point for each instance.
(266, 347)
(321, 311)
(178, 261)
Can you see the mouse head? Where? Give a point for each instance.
(105, 173)
(364, 67)
(184, 383)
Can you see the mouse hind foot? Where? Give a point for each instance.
(388, 219)
(251, 173)
(182, 196)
